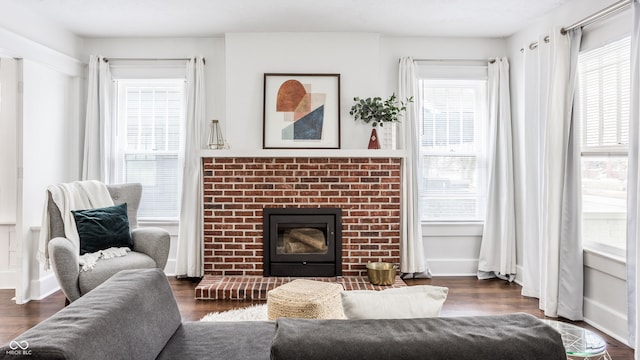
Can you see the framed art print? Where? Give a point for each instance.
(301, 111)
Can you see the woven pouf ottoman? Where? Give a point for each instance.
(306, 299)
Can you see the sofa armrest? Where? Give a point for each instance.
(154, 242)
(130, 316)
(64, 260)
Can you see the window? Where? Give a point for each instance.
(603, 110)
(453, 149)
(149, 115)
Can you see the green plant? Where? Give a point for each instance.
(377, 111)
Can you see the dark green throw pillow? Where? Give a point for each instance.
(103, 228)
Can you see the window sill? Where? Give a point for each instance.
(158, 222)
(606, 251)
(606, 263)
(454, 223)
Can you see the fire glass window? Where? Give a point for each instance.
(296, 239)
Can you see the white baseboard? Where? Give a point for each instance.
(453, 267)
(43, 287)
(606, 320)
(8, 279)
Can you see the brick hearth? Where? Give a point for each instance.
(256, 287)
(236, 189)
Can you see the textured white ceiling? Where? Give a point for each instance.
(141, 18)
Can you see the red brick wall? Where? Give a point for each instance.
(237, 189)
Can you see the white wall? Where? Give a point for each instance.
(434, 48)
(173, 48)
(355, 56)
(8, 146)
(605, 284)
(367, 64)
(49, 109)
(35, 30)
(8, 179)
(452, 250)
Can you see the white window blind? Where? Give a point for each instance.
(603, 110)
(453, 149)
(149, 116)
(604, 76)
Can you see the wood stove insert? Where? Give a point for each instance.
(302, 242)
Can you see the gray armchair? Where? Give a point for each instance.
(150, 247)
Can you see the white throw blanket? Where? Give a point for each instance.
(89, 260)
(79, 195)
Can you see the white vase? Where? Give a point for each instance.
(388, 136)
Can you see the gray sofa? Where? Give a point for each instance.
(134, 315)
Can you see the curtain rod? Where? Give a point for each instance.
(491, 60)
(609, 10)
(151, 59)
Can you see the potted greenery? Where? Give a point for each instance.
(378, 112)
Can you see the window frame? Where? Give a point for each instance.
(601, 151)
(464, 76)
(120, 135)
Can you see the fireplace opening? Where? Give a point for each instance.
(302, 242)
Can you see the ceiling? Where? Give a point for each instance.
(189, 18)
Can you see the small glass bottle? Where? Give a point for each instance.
(216, 141)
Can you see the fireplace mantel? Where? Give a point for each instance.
(293, 153)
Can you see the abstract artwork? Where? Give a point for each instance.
(301, 111)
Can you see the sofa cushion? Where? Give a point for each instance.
(514, 336)
(221, 340)
(102, 228)
(130, 316)
(399, 303)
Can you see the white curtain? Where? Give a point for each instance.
(553, 268)
(498, 248)
(412, 257)
(189, 255)
(536, 79)
(633, 181)
(99, 147)
(571, 269)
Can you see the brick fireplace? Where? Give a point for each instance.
(236, 189)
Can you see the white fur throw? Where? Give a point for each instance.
(88, 261)
(251, 313)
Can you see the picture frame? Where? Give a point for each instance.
(301, 111)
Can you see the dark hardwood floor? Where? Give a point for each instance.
(467, 296)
